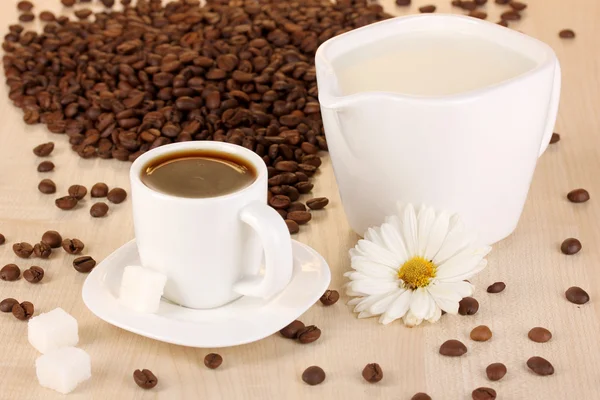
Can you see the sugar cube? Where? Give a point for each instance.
(52, 330)
(63, 369)
(141, 289)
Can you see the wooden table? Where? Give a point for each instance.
(529, 261)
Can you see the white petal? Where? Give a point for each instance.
(448, 295)
(438, 233)
(462, 263)
(398, 308)
(354, 301)
(368, 287)
(374, 235)
(425, 219)
(432, 307)
(409, 229)
(393, 240)
(419, 303)
(368, 301)
(365, 314)
(454, 243)
(377, 253)
(480, 266)
(371, 268)
(436, 315)
(411, 320)
(380, 306)
(357, 276)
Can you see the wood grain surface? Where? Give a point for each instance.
(535, 271)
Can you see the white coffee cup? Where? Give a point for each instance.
(473, 153)
(210, 249)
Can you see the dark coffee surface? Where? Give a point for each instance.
(198, 174)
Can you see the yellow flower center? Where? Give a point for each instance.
(417, 272)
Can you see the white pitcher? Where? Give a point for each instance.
(473, 152)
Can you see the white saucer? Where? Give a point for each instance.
(242, 321)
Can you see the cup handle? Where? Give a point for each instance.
(553, 110)
(277, 245)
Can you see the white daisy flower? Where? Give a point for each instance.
(414, 266)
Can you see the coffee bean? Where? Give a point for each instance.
(372, 373)
(300, 217)
(503, 23)
(468, 306)
(144, 378)
(495, 371)
(44, 149)
(427, 9)
(313, 375)
(42, 250)
(72, 246)
(23, 249)
(308, 334)
(478, 14)
(293, 226)
(296, 206)
(317, 203)
(99, 210)
(453, 348)
(483, 393)
(52, 239)
(83, 13)
(330, 297)
(291, 330)
(33, 274)
(468, 5)
(108, 3)
(496, 287)
(10, 272)
(7, 304)
(570, 246)
(502, 2)
(279, 201)
(481, 333)
(577, 295)
(213, 361)
(47, 16)
(403, 2)
(480, 2)
(84, 264)
(68, 3)
(517, 5)
(555, 138)
(26, 17)
(539, 335)
(45, 166)
(304, 187)
(47, 186)
(116, 195)
(540, 366)
(23, 311)
(77, 191)
(510, 15)
(99, 190)
(578, 196)
(2, 239)
(24, 5)
(421, 396)
(566, 34)
(66, 202)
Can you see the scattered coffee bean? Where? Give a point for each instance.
(480, 2)
(402, 3)
(578, 196)
(481, 333)
(372, 373)
(577, 295)
(144, 378)
(116, 195)
(555, 138)
(539, 334)
(108, 3)
(99, 190)
(293, 226)
(83, 13)
(33, 274)
(52, 239)
(570, 246)
(45, 166)
(84, 264)
(77, 191)
(478, 14)
(540, 366)
(503, 23)
(99, 210)
(23, 311)
(68, 3)
(468, 306)
(510, 15)
(44, 149)
(313, 375)
(317, 203)
(213, 361)
(566, 34)
(10, 272)
(24, 5)
(421, 396)
(468, 5)
(47, 186)
(496, 287)
(330, 297)
(495, 371)
(300, 217)
(517, 5)
(7, 304)
(42, 250)
(2, 239)
(47, 16)
(453, 348)
(27, 16)
(291, 330)
(72, 246)
(427, 9)
(308, 334)
(23, 249)
(502, 2)
(483, 393)
(66, 202)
